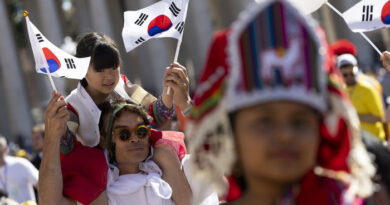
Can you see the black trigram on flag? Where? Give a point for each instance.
(179, 27)
(141, 19)
(175, 11)
(140, 40)
(367, 12)
(70, 63)
(39, 37)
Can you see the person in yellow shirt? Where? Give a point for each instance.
(365, 97)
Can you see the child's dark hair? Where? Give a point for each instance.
(107, 108)
(102, 49)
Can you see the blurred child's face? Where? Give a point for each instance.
(277, 141)
(103, 82)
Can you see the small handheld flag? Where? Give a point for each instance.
(51, 60)
(165, 18)
(368, 15)
(361, 33)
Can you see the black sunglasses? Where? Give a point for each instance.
(141, 131)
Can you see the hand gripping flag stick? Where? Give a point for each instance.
(361, 33)
(176, 57)
(39, 56)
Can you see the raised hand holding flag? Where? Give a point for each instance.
(165, 18)
(368, 15)
(360, 32)
(51, 60)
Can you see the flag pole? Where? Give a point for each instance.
(177, 50)
(361, 33)
(25, 15)
(53, 86)
(178, 46)
(175, 58)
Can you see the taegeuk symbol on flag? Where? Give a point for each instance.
(165, 18)
(58, 62)
(368, 15)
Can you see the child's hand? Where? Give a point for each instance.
(56, 116)
(176, 78)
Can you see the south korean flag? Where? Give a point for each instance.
(368, 15)
(165, 18)
(49, 57)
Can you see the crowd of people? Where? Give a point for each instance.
(278, 116)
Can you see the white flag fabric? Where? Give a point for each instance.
(368, 15)
(58, 62)
(165, 18)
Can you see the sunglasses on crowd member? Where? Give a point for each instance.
(346, 75)
(124, 133)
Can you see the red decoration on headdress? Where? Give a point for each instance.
(343, 46)
(234, 191)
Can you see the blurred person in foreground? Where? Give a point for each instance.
(365, 98)
(17, 175)
(270, 109)
(132, 174)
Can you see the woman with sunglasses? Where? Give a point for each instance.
(271, 112)
(104, 81)
(132, 176)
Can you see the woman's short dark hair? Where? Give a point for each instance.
(102, 49)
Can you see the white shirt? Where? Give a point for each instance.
(150, 189)
(89, 114)
(17, 178)
(145, 188)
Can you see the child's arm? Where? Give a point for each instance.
(162, 109)
(67, 143)
(173, 174)
(155, 107)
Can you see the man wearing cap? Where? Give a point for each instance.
(365, 98)
(17, 175)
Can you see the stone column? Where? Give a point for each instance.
(82, 15)
(17, 105)
(99, 17)
(224, 12)
(50, 26)
(198, 33)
